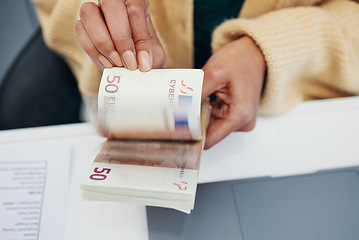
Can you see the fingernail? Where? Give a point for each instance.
(115, 57)
(129, 60)
(144, 61)
(105, 62)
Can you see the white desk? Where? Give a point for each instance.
(314, 136)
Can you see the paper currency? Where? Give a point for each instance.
(135, 112)
(156, 173)
(159, 104)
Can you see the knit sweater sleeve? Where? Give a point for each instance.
(57, 19)
(311, 52)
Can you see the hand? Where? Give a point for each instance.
(235, 74)
(120, 33)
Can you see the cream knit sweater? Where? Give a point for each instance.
(311, 47)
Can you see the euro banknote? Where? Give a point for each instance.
(151, 157)
(159, 104)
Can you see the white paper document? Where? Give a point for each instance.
(34, 181)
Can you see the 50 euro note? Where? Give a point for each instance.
(152, 157)
(159, 104)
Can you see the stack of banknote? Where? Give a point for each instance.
(155, 124)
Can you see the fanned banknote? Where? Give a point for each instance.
(155, 124)
(159, 104)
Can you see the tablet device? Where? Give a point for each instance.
(323, 205)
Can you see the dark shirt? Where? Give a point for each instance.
(208, 14)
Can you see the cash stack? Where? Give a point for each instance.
(155, 127)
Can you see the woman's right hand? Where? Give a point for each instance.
(120, 33)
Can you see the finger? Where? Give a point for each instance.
(217, 131)
(220, 128)
(248, 127)
(213, 81)
(138, 15)
(158, 54)
(94, 24)
(116, 17)
(226, 118)
(89, 48)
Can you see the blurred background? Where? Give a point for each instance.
(36, 86)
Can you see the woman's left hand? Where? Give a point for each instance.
(235, 74)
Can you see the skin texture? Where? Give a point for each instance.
(120, 33)
(235, 74)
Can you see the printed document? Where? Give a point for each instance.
(34, 181)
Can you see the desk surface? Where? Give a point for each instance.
(313, 136)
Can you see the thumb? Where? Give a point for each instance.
(158, 54)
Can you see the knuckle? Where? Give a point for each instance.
(246, 115)
(122, 41)
(101, 44)
(143, 40)
(136, 8)
(250, 127)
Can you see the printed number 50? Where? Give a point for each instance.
(98, 176)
